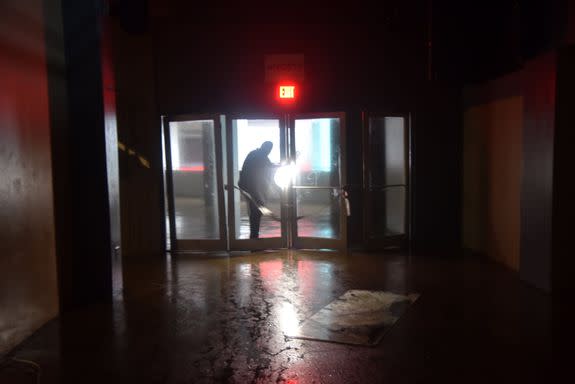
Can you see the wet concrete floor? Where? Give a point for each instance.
(224, 319)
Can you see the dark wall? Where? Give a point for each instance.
(537, 173)
(139, 131)
(78, 135)
(570, 32)
(544, 26)
(437, 143)
(217, 66)
(475, 41)
(482, 40)
(563, 201)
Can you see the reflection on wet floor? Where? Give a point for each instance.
(225, 320)
(196, 221)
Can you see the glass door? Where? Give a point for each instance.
(386, 180)
(257, 214)
(317, 208)
(194, 184)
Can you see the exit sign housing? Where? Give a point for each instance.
(286, 91)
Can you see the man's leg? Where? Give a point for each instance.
(255, 219)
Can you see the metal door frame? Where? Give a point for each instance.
(296, 241)
(261, 243)
(225, 198)
(400, 241)
(196, 244)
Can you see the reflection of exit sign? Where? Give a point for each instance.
(284, 68)
(287, 91)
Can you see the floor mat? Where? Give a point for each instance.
(356, 317)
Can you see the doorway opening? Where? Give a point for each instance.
(206, 210)
(386, 180)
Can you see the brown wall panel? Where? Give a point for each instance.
(28, 278)
(492, 178)
(504, 188)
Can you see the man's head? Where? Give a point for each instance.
(267, 147)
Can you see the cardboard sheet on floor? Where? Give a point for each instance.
(356, 317)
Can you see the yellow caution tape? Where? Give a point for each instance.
(131, 152)
(144, 162)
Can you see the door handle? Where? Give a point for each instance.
(344, 193)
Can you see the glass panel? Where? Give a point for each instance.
(387, 150)
(388, 213)
(317, 152)
(194, 179)
(248, 135)
(318, 212)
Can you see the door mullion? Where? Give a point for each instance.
(170, 184)
(292, 205)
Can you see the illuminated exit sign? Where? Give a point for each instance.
(286, 91)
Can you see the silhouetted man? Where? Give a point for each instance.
(256, 178)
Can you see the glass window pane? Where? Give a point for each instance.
(388, 212)
(318, 212)
(317, 152)
(248, 135)
(387, 150)
(193, 156)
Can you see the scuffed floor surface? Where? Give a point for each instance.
(224, 319)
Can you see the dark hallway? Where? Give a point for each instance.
(419, 179)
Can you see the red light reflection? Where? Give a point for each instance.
(195, 168)
(271, 272)
(305, 273)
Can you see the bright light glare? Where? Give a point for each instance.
(288, 319)
(265, 210)
(285, 174)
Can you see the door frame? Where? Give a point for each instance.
(223, 134)
(186, 245)
(261, 243)
(399, 241)
(302, 242)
